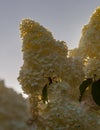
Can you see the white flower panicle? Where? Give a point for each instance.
(90, 44)
(90, 40)
(89, 50)
(42, 55)
(45, 57)
(93, 68)
(47, 65)
(13, 109)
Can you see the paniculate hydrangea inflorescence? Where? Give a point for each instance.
(51, 79)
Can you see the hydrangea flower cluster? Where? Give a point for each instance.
(89, 41)
(46, 63)
(45, 57)
(13, 109)
(89, 45)
(89, 49)
(94, 64)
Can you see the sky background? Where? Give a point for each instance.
(64, 18)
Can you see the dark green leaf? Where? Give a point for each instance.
(45, 94)
(86, 83)
(96, 91)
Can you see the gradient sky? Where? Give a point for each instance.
(64, 18)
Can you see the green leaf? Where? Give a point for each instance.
(96, 91)
(86, 83)
(45, 94)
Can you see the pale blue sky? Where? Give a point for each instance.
(64, 18)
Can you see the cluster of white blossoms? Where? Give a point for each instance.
(61, 113)
(44, 58)
(13, 109)
(90, 40)
(47, 64)
(89, 45)
(89, 49)
(94, 64)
